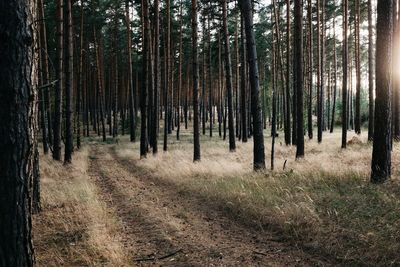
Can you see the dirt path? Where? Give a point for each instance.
(163, 227)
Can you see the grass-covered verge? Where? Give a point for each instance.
(341, 216)
(75, 228)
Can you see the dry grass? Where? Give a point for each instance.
(324, 202)
(75, 227)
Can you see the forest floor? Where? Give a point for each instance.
(109, 208)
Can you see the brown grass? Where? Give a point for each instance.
(324, 202)
(75, 227)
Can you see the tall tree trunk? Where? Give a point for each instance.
(274, 89)
(396, 79)
(370, 75)
(196, 128)
(210, 78)
(116, 87)
(228, 73)
(18, 97)
(157, 76)
(219, 105)
(46, 75)
(357, 119)
(100, 97)
(203, 82)
(69, 81)
(282, 76)
(132, 117)
(298, 73)
(287, 93)
(344, 79)
(310, 58)
(381, 152)
(237, 73)
(258, 150)
(319, 73)
(243, 83)
(178, 121)
(44, 78)
(80, 89)
(167, 58)
(146, 78)
(60, 79)
(334, 73)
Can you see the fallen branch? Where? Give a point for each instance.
(152, 257)
(170, 254)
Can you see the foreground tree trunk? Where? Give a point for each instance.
(258, 150)
(196, 122)
(298, 74)
(17, 132)
(381, 153)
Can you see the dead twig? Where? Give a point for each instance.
(170, 254)
(260, 253)
(152, 257)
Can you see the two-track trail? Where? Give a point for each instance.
(161, 226)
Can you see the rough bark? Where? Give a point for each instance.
(18, 114)
(381, 152)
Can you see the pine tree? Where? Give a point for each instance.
(258, 139)
(381, 153)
